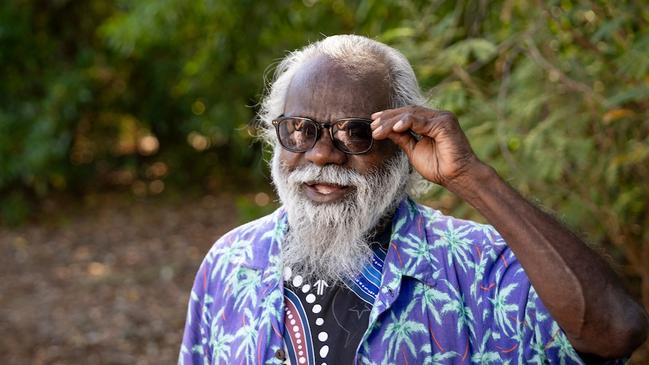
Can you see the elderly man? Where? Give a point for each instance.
(351, 270)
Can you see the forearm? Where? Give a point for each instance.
(579, 289)
(577, 286)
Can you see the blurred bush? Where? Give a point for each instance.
(146, 95)
(154, 95)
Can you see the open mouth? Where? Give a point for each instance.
(324, 188)
(325, 192)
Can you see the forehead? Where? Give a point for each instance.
(326, 89)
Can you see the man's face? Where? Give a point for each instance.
(326, 91)
(335, 201)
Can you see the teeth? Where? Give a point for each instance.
(324, 189)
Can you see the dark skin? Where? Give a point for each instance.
(579, 289)
(327, 95)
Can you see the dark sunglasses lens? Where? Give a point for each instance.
(297, 135)
(353, 136)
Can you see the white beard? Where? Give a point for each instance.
(330, 241)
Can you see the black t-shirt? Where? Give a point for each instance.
(324, 323)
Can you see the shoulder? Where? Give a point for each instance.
(476, 259)
(474, 253)
(439, 226)
(250, 244)
(247, 232)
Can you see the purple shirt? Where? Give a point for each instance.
(451, 292)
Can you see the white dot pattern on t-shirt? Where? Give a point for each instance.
(322, 336)
(297, 280)
(287, 273)
(324, 350)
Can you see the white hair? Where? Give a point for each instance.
(332, 241)
(352, 50)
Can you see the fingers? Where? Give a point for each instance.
(385, 121)
(420, 120)
(383, 127)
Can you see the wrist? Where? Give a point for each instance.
(476, 178)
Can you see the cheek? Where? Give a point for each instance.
(388, 148)
(289, 159)
(381, 151)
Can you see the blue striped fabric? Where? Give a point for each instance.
(367, 284)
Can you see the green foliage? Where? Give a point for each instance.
(149, 94)
(555, 97)
(14, 209)
(252, 207)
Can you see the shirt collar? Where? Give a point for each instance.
(408, 254)
(410, 251)
(266, 247)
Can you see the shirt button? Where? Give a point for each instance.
(280, 354)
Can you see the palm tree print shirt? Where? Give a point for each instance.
(451, 292)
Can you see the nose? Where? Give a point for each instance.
(324, 152)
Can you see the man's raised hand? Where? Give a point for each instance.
(438, 149)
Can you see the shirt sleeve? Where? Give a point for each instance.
(547, 335)
(520, 316)
(194, 348)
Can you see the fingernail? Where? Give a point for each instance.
(375, 122)
(398, 125)
(377, 130)
(376, 115)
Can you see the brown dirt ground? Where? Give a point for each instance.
(107, 281)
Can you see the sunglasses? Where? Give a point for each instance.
(350, 135)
